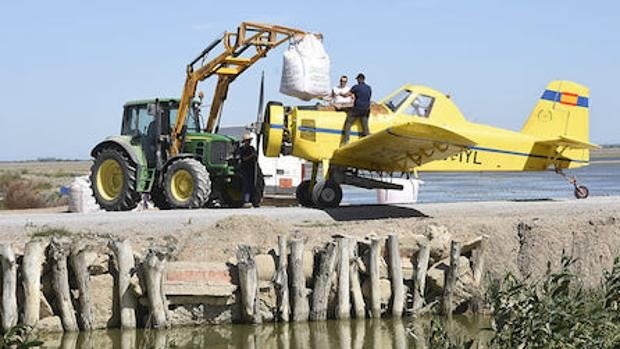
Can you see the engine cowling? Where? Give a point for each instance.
(273, 129)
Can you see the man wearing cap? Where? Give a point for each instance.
(248, 156)
(361, 108)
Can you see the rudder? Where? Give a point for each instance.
(562, 110)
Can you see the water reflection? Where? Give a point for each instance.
(344, 334)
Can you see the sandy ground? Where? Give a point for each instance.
(523, 236)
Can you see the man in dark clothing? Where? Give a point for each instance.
(360, 110)
(248, 156)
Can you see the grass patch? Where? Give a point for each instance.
(47, 232)
(316, 224)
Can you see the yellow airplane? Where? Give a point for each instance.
(419, 129)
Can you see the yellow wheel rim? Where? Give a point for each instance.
(182, 185)
(110, 180)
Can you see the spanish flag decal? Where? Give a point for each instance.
(567, 98)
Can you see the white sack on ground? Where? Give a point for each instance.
(81, 196)
(305, 69)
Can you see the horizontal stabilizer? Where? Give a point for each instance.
(570, 143)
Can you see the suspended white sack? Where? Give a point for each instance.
(306, 69)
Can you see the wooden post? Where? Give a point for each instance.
(79, 265)
(153, 269)
(323, 282)
(421, 267)
(375, 297)
(248, 283)
(359, 306)
(281, 281)
(57, 255)
(125, 266)
(477, 262)
(451, 276)
(298, 282)
(8, 312)
(396, 274)
(343, 310)
(31, 281)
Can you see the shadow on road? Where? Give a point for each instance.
(369, 212)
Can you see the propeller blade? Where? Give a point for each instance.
(260, 115)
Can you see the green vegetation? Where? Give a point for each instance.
(46, 232)
(19, 337)
(554, 312)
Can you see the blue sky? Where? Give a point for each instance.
(67, 67)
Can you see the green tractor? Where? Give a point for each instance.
(162, 150)
(205, 172)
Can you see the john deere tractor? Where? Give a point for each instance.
(136, 163)
(162, 150)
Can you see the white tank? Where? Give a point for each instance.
(408, 195)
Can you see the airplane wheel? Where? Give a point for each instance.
(327, 194)
(303, 194)
(581, 192)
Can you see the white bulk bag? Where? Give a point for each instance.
(81, 196)
(306, 69)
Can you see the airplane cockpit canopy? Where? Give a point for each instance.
(408, 102)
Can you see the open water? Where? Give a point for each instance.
(602, 179)
(350, 334)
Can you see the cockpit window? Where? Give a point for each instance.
(395, 102)
(421, 106)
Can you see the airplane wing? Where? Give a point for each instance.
(401, 148)
(570, 143)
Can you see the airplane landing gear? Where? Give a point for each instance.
(327, 194)
(581, 191)
(303, 193)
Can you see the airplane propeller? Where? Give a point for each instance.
(257, 127)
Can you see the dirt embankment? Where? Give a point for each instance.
(523, 237)
(522, 245)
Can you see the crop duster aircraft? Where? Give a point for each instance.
(417, 128)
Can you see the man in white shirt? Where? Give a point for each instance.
(340, 98)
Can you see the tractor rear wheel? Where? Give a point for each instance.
(187, 184)
(113, 180)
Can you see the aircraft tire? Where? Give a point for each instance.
(581, 192)
(303, 195)
(327, 194)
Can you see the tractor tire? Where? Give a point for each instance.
(158, 196)
(113, 180)
(303, 194)
(187, 184)
(327, 194)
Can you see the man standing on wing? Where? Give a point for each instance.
(360, 110)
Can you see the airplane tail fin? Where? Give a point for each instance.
(562, 114)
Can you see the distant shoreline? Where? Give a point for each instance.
(597, 155)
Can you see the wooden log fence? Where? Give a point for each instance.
(340, 270)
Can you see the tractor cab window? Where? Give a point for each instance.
(191, 121)
(421, 106)
(397, 100)
(136, 120)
